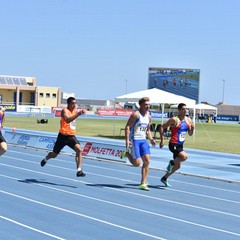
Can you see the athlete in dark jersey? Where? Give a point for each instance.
(180, 126)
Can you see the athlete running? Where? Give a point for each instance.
(180, 126)
(137, 147)
(67, 135)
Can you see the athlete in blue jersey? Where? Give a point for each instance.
(137, 147)
(180, 126)
(3, 144)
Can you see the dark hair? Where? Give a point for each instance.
(144, 99)
(180, 105)
(70, 99)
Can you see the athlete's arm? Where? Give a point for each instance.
(130, 123)
(66, 115)
(149, 134)
(170, 122)
(192, 126)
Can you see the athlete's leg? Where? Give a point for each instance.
(145, 168)
(145, 154)
(75, 145)
(182, 156)
(134, 161)
(78, 157)
(134, 154)
(3, 148)
(59, 144)
(51, 155)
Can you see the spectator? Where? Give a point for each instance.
(214, 116)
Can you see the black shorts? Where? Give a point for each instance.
(64, 140)
(175, 149)
(2, 139)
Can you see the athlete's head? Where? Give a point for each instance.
(71, 101)
(181, 105)
(183, 110)
(143, 100)
(144, 103)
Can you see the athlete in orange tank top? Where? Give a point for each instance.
(67, 135)
(68, 128)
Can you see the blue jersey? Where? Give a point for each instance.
(179, 132)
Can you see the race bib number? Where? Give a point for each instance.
(182, 136)
(142, 128)
(73, 125)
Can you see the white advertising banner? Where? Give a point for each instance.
(91, 149)
(105, 151)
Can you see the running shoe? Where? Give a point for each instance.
(43, 162)
(170, 167)
(81, 174)
(144, 187)
(123, 155)
(165, 182)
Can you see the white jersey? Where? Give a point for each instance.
(139, 128)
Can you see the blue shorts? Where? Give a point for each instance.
(140, 148)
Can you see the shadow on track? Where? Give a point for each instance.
(35, 181)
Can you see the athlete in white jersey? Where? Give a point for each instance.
(136, 130)
(139, 128)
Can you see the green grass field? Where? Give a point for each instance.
(208, 136)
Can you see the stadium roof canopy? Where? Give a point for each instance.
(156, 96)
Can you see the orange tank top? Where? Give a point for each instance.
(68, 128)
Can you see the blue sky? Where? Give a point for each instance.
(100, 49)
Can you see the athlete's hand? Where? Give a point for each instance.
(84, 111)
(128, 144)
(161, 144)
(81, 112)
(153, 142)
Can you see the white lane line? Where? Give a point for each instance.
(205, 196)
(134, 208)
(31, 228)
(82, 215)
(159, 199)
(117, 170)
(175, 202)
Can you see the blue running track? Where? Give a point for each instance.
(52, 203)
